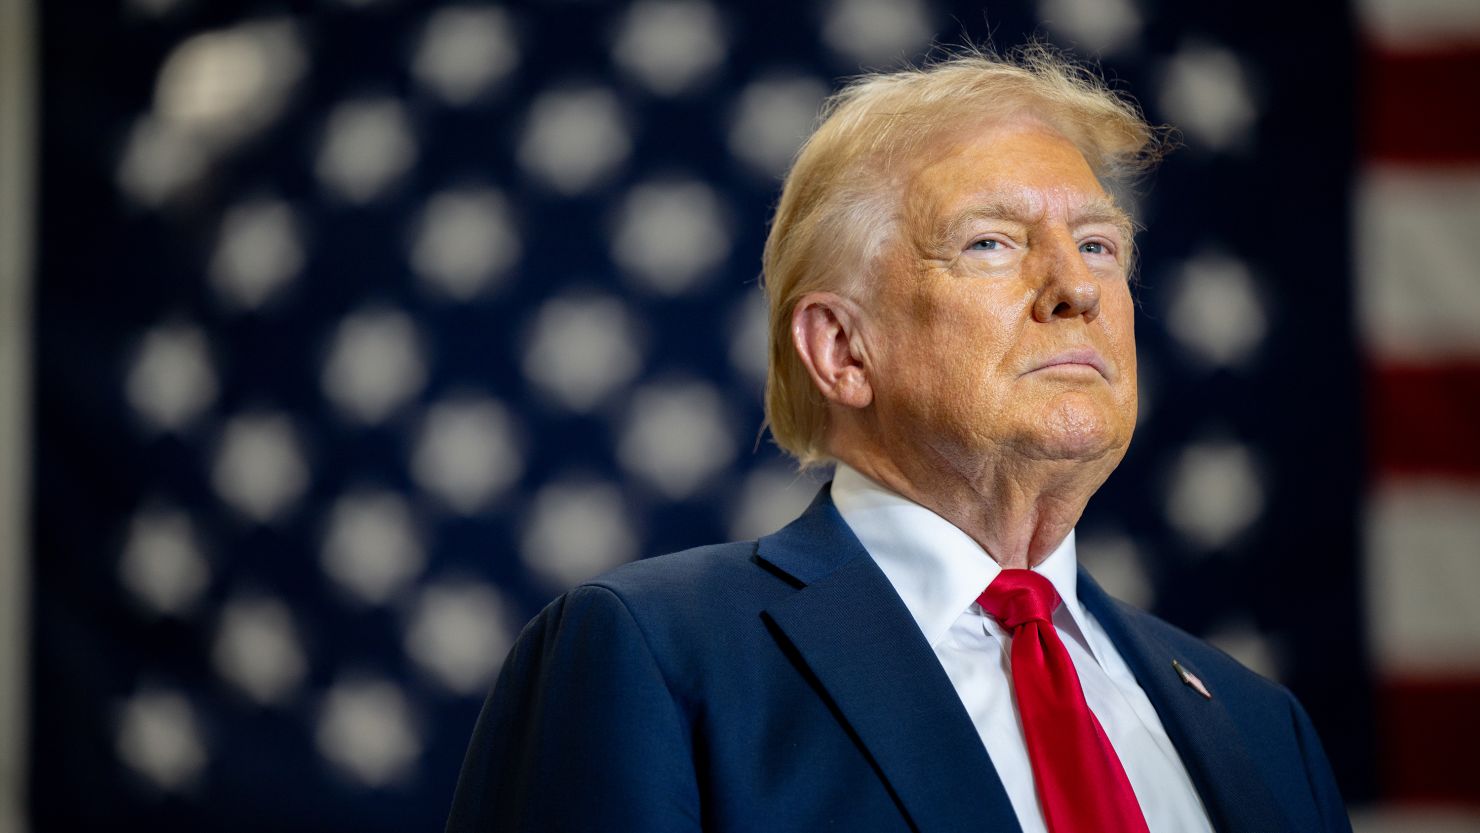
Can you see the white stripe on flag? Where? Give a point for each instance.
(1414, 820)
(17, 207)
(1408, 23)
(1417, 279)
(1423, 565)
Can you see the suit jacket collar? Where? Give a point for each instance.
(867, 655)
(864, 651)
(1227, 776)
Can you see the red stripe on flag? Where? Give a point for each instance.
(1425, 419)
(1430, 729)
(1420, 105)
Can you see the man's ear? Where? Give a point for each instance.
(823, 330)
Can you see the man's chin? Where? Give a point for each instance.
(1079, 448)
(1081, 439)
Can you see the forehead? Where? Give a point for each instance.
(1022, 163)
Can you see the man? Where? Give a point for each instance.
(952, 326)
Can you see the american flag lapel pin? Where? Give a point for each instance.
(1191, 679)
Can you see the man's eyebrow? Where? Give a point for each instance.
(994, 208)
(1101, 210)
(1018, 210)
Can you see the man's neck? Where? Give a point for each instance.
(1019, 512)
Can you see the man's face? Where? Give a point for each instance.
(1003, 318)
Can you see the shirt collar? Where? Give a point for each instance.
(937, 570)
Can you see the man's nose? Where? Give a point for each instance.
(1069, 288)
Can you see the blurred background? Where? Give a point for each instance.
(338, 337)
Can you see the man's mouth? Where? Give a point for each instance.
(1085, 357)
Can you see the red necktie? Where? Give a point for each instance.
(1081, 784)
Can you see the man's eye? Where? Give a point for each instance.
(1094, 247)
(986, 245)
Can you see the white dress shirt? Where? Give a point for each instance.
(939, 571)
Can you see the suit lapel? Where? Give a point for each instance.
(858, 640)
(1227, 777)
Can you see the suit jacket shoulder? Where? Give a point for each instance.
(781, 684)
(1223, 670)
(1249, 745)
(699, 610)
(710, 689)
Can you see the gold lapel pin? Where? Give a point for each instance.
(1191, 680)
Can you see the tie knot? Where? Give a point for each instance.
(1016, 597)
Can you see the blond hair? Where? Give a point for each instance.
(839, 203)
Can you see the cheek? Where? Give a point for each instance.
(941, 363)
(1118, 320)
(972, 317)
(1123, 349)
(947, 337)
(1121, 338)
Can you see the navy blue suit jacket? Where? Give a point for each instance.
(782, 685)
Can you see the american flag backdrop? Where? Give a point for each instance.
(360, 329)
